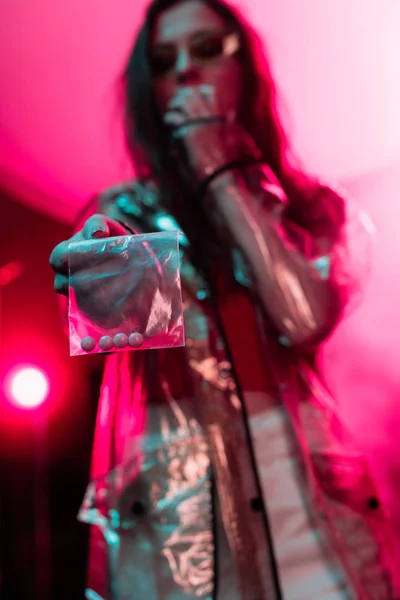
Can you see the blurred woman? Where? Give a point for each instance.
(221, 470)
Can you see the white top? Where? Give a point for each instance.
(307, 568)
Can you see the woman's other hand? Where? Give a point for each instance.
(211, 139)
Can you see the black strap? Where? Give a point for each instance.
(231, 166)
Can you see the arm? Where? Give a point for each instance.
(304, 303)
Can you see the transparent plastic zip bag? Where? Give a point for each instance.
(125, 293)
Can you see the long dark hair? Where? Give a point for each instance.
(148, 138)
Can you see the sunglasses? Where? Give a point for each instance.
(204, 48)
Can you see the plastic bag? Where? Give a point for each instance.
(125, 293)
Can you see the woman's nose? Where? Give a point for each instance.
(183, 61)
(185, 69)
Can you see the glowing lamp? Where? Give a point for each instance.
(28, 387)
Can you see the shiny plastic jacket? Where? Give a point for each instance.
(164, 467)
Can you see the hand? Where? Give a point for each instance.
(194, 105)
(97, 226)
(210, 138)
(108, 287)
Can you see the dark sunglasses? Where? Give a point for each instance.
(204, 48)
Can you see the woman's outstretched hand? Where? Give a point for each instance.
(111, 283)
(96, 227)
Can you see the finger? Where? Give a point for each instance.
(100, 226)
(191, 102)
(59, 257)
(185, 91)
(174, 118)
(95, 227)
(61, 284)
(177, 105)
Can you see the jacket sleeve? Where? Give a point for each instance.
(299, 267)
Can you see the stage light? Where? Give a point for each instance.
(28, 387)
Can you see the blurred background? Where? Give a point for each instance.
(336, 64)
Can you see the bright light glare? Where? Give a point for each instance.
(28, 387)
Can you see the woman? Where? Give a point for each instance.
(221, 470)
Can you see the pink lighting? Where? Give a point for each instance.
(28, 387)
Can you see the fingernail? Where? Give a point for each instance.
(96, 230)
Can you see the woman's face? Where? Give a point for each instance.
(186, 52)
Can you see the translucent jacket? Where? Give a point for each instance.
(163, 465)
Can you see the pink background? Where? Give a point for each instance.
(337, 65)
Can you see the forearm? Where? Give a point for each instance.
(302, 305)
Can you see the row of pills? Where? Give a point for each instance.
(120, 340)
